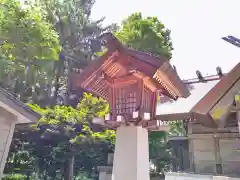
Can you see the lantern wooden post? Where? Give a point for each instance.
(130, 81)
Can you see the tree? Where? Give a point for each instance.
(78, 32)
(27, 42)
(159, 152)
(25, 33)
(146, 34)
(64, 142)
(162, 152)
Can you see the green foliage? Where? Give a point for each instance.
(65, 133)
(25, 33)
(82, 176)
(15, 177)
(159, 152)
(177, 129)
(29, 48)
(146, 34)
(71, 19)
(74, 123)
(91, 106)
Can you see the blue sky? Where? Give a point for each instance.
(197, 27)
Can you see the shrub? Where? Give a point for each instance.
(15, 177)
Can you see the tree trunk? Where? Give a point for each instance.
(56, 83)
(69, 167)
(25, 84)
(69, 82)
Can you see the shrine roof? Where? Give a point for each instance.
(218, 91)
(204, 95)
(7, 100)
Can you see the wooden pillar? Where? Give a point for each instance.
(238, 115)
(238, 119)
(217, 156)
(191, 149)
(237, 101)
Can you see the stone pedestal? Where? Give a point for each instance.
(131, 157)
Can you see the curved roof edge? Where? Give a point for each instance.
(15, 104)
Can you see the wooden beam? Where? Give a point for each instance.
(174, 117)
(217, 156)
(128, 79)
(90, 72)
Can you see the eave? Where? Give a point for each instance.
(23, 113)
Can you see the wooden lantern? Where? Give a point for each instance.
(130, 81)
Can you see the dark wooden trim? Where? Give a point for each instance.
(174, 117)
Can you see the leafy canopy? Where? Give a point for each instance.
(25, 34)
(146, 34)
(65, 133)
(73, 125)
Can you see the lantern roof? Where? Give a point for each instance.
(120, 61)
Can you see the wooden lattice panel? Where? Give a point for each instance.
(100, 87)
(126, 100)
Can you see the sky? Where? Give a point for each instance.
(197, 27)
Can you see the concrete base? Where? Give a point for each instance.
(188, 176)
(131, 157)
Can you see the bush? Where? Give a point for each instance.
(15, 177)
(82, 176)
